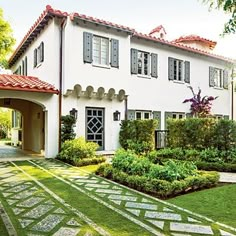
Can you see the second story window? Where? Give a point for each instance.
(144, 63)
(178, 70)
(39, 54)
(218, 78)
(100, 50)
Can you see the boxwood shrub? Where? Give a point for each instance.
(79, 152)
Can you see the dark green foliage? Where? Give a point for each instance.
(138, 135)
(67, 129)
(130, 163)
(222, 167)
(158, 187)
(2, 134)
(202, 133)
(79, 152)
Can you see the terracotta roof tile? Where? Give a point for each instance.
(25, 83)
(192, 37)
(157, 29)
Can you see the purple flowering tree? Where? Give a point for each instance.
(200, 106)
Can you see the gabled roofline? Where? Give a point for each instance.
(49, 13)
(33, 32)
(74, 16)
(183, 47)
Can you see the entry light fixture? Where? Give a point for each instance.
(74, 113)
(116, 116)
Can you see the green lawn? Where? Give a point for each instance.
(217, 203)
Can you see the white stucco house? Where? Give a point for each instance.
(107, 72)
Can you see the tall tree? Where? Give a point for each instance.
(7, 40)
(228, 6)
(5, 119)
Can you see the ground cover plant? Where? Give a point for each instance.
(165, 180)
(79, 152)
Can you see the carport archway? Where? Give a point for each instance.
(31, 131)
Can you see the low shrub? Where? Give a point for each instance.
(79, 152)
(158, 187)
(221, 167)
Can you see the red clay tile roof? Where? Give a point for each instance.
(49, 13)
(192, 38)
(25, 83)
(157, 29)
(40, 23)
(181, 46)
(73, 16)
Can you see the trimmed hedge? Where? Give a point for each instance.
(138, 135)
(79, 152)
(160, 188)
(201, 133)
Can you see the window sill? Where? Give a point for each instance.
(38, 65)
(218, 88)
(178, 82)
(102, 66)
(144, 76)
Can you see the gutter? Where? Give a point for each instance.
(62, 27)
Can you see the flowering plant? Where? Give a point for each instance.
(200, 106)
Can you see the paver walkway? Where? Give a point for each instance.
(36, 212)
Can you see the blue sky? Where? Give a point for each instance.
(179, 17)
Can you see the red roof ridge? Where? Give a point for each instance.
(183, 46)
(100, 21)
(157, 29)
(41, 18)
(193, 37)
(25, 83)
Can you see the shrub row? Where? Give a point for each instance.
(211, 155)
(80, 152)
(138, 135)
(201, 133)
(158, 187)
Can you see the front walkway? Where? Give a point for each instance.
(38, 210)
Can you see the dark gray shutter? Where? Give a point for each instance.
(23, 67)
(211, 76)
(157, 116)
(35, 57)
(88, 47)
(171, 68)
(131, 114)
(41, 50)
(187, 72)
(188, 115)
(154, 62)
(167, 116)
(26, 66)
(225, 79)
(134, 61)
(19, 70)
(115, 53)
(226, 117)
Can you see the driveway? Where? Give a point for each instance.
(33, 205)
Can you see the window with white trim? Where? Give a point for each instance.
(39, 54)
(178, 70)
(100, 50)
(142, 115)
(178, 116)
(143, 63)
(218, 78)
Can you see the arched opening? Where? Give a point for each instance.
(27, 124)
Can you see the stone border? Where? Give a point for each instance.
(7, 222)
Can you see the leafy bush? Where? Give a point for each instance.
(79, 151)
(89, 161)
(130, 163)
(138, 135)
(160, 188)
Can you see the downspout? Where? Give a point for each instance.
(62, 26)
(232, 95)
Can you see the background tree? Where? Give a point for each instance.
(228, 6)
(200, 106)
(5, 122)
(7, 40)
